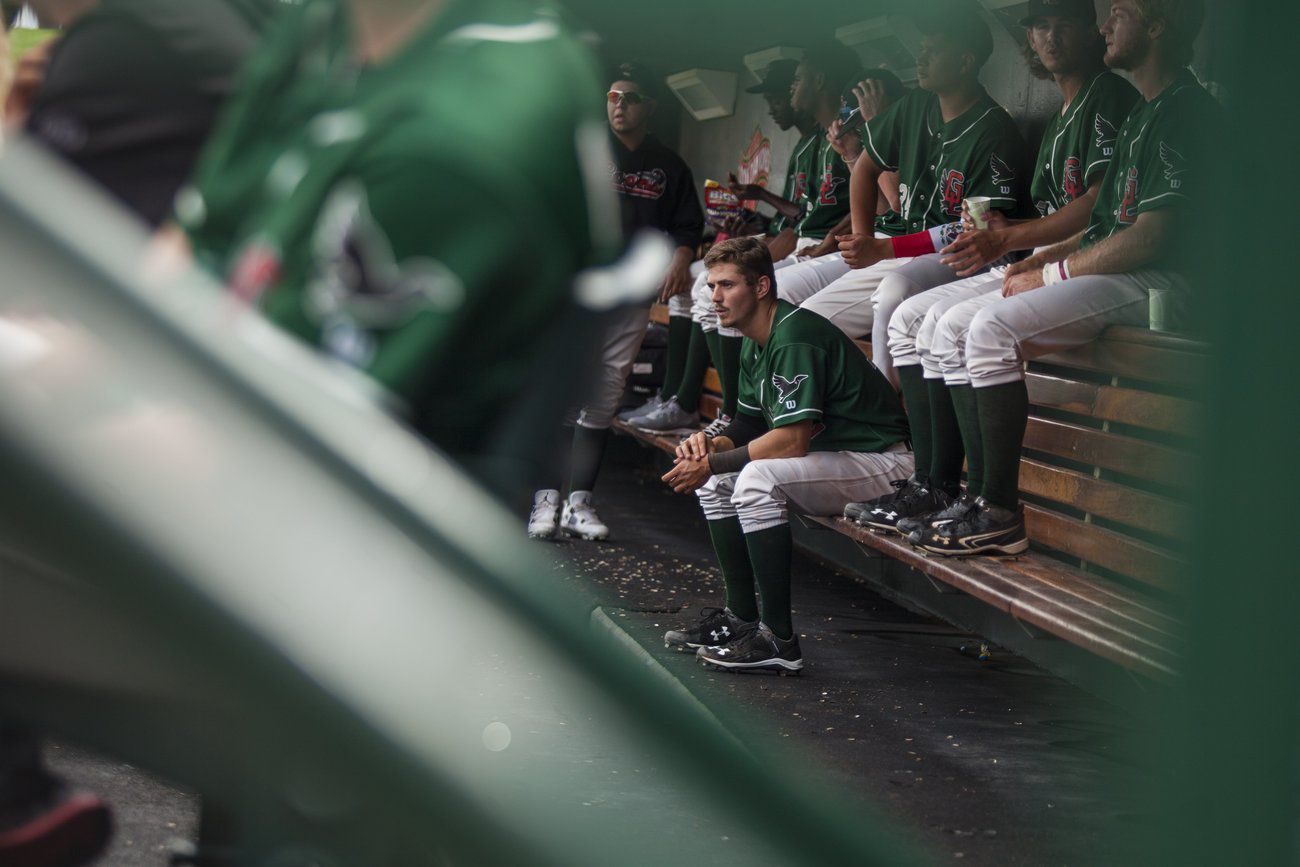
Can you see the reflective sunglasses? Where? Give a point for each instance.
(631, 97)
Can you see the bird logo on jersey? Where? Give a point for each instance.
(1072, 184)
(785, 388)
(1003, 175)
(954, 192)
(830, 184)
(1106, 135)
(1175, 165)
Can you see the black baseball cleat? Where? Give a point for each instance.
(911, 528)
(916, 499)
(856, 511)
(986, 529)
(757, 649)
(715, 627)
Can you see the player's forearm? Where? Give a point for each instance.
(790, 441)
(1054, 253)
(784, 207)
(1052, 229)
(889, 193)
(1142, 245)
(864, 193)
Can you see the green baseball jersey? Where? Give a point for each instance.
(1079, 142)
(827, 196)
(979, 153)
(809, 370)
(1160, 158)
(386, 215)
(797, 172)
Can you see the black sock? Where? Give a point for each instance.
(588, 449)
(916, 399)
(697, 362)
(948, 451)
(733, 558)
(679, 341)
(1003, 410)
(729, 373)
(968, 419)
(770, 552)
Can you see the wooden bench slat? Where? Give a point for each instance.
(1133, 457)
(1108, 500)
(712, 382)
(1128, 641)
(1106, 548)
(1121, 602)
(1111, 403)
(1167, 361)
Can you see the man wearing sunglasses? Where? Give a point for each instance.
(656, 192)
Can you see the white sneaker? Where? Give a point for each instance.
(650, 405)
(669, 416)
(543, 521)
(580, 519)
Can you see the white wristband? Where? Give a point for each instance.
(1056, 272)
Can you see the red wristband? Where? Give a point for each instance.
(907, 246)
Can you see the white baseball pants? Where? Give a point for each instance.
(624, 331)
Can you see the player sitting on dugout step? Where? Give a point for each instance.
(655, 192)
(947, 140)
(1062, 44)
(823, 207)
(693, 333)
(816, 427)
(1129, 267)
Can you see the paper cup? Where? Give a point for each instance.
(978, 207)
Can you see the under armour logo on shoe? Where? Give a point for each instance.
(890, 515)
(720, 633)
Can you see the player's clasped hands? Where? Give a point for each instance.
(691, 466)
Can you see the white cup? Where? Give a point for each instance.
(978, 207)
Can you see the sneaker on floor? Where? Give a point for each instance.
(986, 529)
(544, 519)
(717, 426)
(668, 416)
(714, 628)
(757, 649)
(911, 528)
(653, 403)
(65, 828)
(580, 519)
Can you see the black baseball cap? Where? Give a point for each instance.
(959, 20)
(777, 78)
(1083, 10)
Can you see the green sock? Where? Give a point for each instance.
(947, 449)
(770, 552)
(733, 557)
(968, 419)
(697, 362)
(679, 341)
(1003, 410)
(588, 449)
(916, 398)
(729, 373)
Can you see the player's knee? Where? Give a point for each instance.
(987, 330)
(891, 293)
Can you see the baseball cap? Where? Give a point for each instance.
(958, 20)
(777, 78)
(1081, 9)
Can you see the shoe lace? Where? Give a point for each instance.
(717, 426)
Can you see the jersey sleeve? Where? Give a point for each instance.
(1174, 161)
(796, 391)
(882, 136)
(1106, 116)
(747, 399)
(998, 168)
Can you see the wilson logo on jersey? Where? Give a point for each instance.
(1072, 183)
(830, 184)
(641, 185)
(1106, 135)
(1003, 175)
(954, 191)
(785, 388)
(1128, 207)
(1175, 166)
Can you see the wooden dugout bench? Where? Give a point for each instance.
(1106, 466)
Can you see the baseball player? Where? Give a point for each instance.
(1116, 272)
(1062, 43)
(656, 191)
(816, 425)
(674, 406)
(947, 140)
(338, 197)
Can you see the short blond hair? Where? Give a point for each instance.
(1182, 20)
